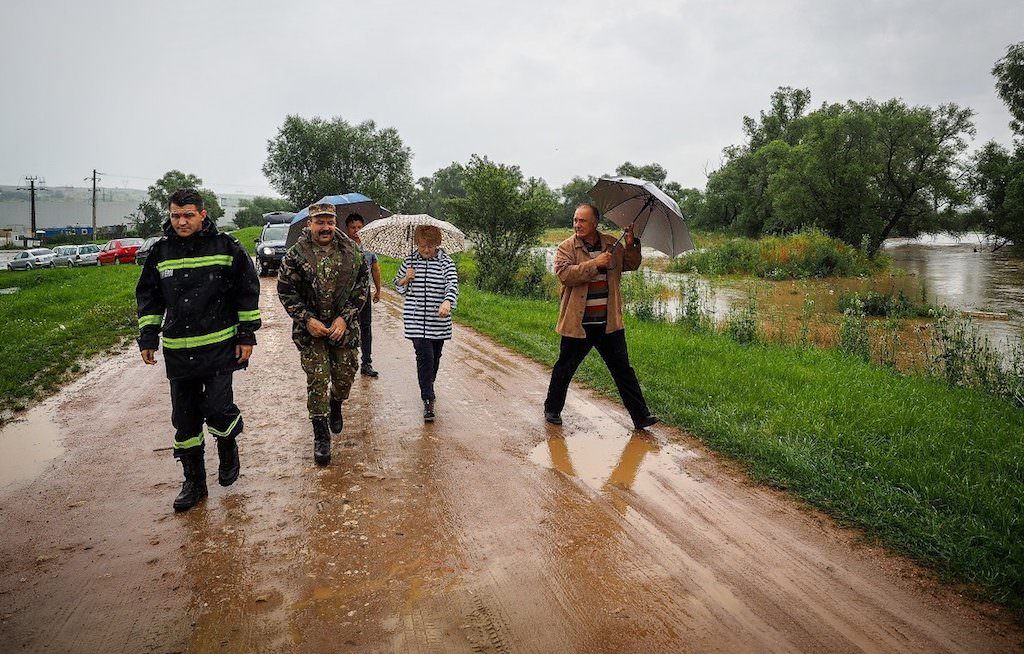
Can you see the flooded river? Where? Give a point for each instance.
(965, 275)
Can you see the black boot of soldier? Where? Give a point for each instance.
(193, 488)
(337, 420)
(227, 470)
(321, 441)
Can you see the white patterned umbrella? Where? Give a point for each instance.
(394, 236)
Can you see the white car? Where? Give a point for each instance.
(77, 255)
(34, 258)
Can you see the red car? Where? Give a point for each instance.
(121, 250)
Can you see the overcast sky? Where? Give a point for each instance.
(561, 88)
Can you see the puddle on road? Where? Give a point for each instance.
(626, 462)
(29, 444)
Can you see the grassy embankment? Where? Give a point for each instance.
(59, 317)
(56, 319)
(932, 471)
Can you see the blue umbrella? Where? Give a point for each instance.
(345, 204)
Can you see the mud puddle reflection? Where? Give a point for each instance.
(29, 444)
(634, 462)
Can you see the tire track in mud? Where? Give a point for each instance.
(486, 531)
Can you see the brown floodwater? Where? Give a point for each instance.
(964, 274)
(30, 443)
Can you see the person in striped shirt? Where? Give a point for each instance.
(589, 266)
(429, 281)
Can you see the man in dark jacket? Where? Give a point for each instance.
(323, 284)
(200, 289)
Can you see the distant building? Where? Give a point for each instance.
(77, 230)
(111, 231)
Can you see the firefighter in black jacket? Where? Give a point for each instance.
(200, 289)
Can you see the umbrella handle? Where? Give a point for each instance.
(647, 205)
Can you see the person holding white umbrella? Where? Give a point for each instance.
(429, 281)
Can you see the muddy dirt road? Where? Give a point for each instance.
(487, 531)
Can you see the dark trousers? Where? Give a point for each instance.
(428, 359)
(195, 401)
(366, 330)
(612, 348)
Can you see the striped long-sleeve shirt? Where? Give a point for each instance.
(436, 280)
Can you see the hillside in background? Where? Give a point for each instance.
(61, 206)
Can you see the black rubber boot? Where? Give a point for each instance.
(368, 371)
(193, 489)
(321, 441)
(337, 420)
(229, 467)
(428, 410)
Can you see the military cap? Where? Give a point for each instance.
(322, 210)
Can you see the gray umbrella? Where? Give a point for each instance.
(655, 217)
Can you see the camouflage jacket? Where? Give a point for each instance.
(312, 284)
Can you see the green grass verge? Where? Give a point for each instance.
(56, 319)
(934, 472)
(247, 237)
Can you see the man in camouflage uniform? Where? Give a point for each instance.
(323, 285)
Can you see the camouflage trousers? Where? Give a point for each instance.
(329, 374)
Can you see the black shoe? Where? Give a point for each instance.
(229, 467)
(193, 489)
(337, 420)
(553, 418)
(650, 420)
(321, 441)
(428, 410)
(367, 369)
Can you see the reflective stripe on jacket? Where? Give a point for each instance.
(202, 294)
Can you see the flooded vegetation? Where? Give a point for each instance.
(934, 305)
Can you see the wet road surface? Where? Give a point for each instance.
(487, 531)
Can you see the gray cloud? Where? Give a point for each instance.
(561, 88)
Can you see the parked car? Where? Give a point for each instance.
(143, 252)
(34, 258)
(62, 255)
(121, 250)
(76, 255)
(270, 247)
(88, 255)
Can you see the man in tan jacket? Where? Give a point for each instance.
(590, 313)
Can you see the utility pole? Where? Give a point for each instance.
(94, 173)
(32, 179)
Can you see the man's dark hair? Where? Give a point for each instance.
(593, 209)
(352, 217)
(184, 196)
